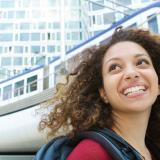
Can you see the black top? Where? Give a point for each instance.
(153, 148)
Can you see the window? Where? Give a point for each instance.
(42, 25)
(3, 73)
(5, 61)
(25, 61)
(18, 61)
(25, 26)
(7, 92)
(125, 2)
(7, 4)
(26, 3)
(74, 36)
(6, 26)
(24, 36)
(36, 14)
(19, 88)
(32, 84)
(108, 18)
(58, 36)
(52, 2)
(145, 1)
(50, 49)
(73, 24)
(18, 49)
(20, 14)
(35, 49)
(32, 61)
(11, 14)
(26, 49)
(152, 23)
(40, 60)
(1, 50)
(56, 25)
(6, 37)
(35, 36)
(49, 36)
(99, 20)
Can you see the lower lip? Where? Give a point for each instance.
(136, 95)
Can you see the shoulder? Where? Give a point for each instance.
(89, 149)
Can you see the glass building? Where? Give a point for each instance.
(34, 32)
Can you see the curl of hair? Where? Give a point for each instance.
(78, 103)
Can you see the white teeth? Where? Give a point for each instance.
(135, 89)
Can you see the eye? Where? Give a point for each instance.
(114, 67)
(143, 62)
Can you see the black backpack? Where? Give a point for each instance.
(59, 148)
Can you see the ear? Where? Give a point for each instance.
(103, 95)
(159, 90)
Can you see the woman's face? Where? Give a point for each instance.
(129, 78)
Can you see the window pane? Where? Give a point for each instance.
(11, 14)
(6, 26)
(50, 48)
(35, 36)
(7, 92)
(6, 37)
(7, 3)
(6, 61)
(18, 49)
(31, 84)
(18, 61)
(19, 88)
(35, 49)
(42, 25)
(152, 23)
(20, 14)
(1, 50)
(125, 2)
(25, 26)
(40, 60)
(24, 36)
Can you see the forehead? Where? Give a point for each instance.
(124, 49)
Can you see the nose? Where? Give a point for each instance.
(131, 74)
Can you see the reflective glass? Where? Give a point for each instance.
(7, 92)
(19, 88)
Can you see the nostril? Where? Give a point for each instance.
(132, 75)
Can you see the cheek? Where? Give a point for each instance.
(110, 84)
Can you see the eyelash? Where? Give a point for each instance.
(113, 67)
(142, 60)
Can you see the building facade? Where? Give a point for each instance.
(34, 32)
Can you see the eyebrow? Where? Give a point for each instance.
(137, 55)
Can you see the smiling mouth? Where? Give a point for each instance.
(134, 90)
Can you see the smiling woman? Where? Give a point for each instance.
(115, 87)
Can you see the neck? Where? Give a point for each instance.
(132, 128)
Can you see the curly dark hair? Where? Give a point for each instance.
(78, 104)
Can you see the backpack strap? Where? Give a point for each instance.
(117, 147)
